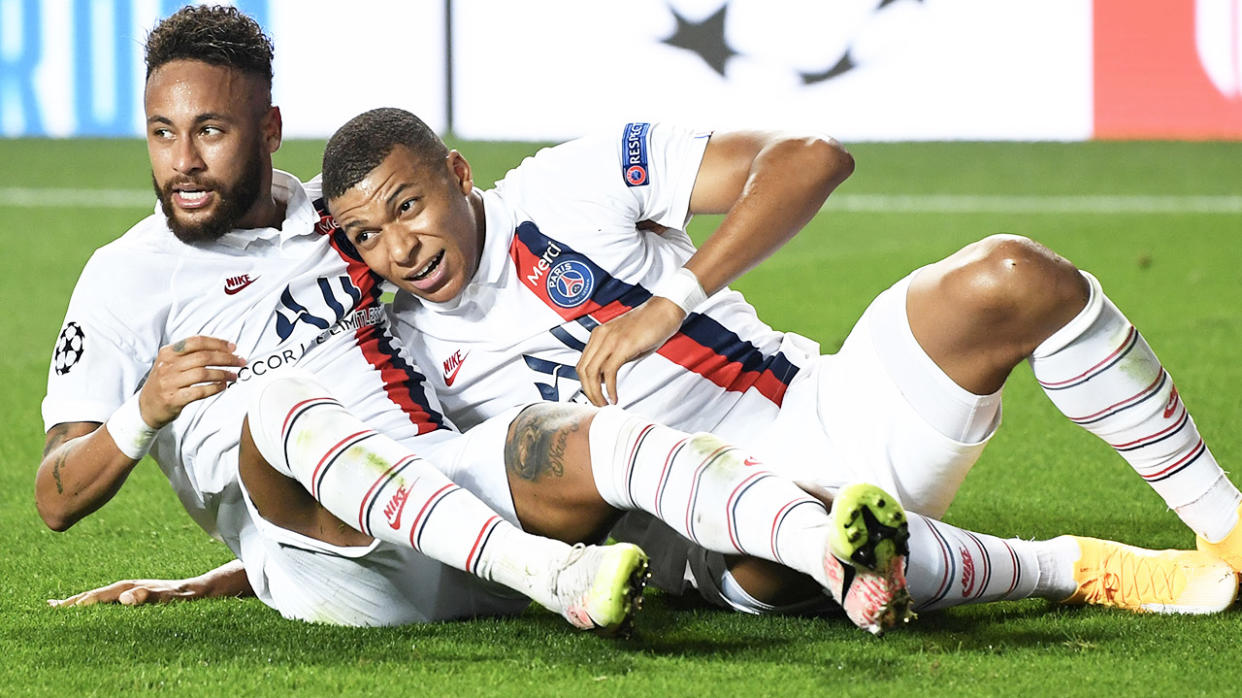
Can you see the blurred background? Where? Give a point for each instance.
(543, 70)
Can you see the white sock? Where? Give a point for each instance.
(950, 566)
(385, 490)
(1100, 372)
(1221, 497)
(708, 491)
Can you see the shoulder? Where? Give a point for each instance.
(148, 242)
(137, 265)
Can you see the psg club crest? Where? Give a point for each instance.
(570, 283)
(69, 348)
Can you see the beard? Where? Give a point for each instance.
(232, 202)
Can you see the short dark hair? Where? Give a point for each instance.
(214, 34)
(367, 139)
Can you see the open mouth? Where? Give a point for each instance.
(429, 267)
(191, 198)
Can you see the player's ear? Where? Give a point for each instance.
(273, 129)
(463, 177)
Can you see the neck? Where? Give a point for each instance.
(480, 221)
(267, 212)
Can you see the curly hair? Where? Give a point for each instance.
(367, 139)
(217, 35)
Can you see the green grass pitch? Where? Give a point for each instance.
(1175, 272)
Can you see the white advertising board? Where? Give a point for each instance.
(550, 69)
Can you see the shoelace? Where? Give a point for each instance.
(1154, 581)
(575, 554)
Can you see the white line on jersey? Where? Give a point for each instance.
(29, 197)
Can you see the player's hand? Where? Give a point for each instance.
(621, 340)
(135, 592)
(185, 371)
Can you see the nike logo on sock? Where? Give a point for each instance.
(1171, 406)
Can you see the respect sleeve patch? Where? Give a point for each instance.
(634, 154)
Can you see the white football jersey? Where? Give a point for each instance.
(293, 295)
(563, 253)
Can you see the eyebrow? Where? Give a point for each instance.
(209, 116)
(397, 193)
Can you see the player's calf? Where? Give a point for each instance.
(381, 488)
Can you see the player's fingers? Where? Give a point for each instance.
(610, 380)
(591, 348)
(136, 596)
(591, 380)
(197, 392)
(588, 375)
(207, 358)
(196, 376)
(85, 598)
(176, 370)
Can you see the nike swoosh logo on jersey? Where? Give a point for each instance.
(452, 365)
(236, 284)
(752, 461)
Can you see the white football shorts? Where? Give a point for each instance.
(382, 583)
(852, 416)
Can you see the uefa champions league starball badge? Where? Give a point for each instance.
(68, 348)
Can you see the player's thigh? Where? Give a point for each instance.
(847, 419)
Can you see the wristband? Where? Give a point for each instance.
(682, 288)
(129, 430)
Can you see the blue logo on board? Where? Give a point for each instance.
(570, 283)
(634, 154)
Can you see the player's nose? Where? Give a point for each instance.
(186, 158)
(402, 247)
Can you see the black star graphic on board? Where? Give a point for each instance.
(705, 38)
(843, 66)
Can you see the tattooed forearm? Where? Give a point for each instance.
(60, 462)
(538, 439)
(55, 436)
(62, 440)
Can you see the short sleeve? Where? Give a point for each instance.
(658, 165)
(105, 347)
(619, 176)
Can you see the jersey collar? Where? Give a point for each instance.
(497, 233)
(300, 216)
(480, 290)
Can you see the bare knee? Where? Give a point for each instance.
(982, 310)
(1010, 287)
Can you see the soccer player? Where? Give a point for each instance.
(573, 276)
(240, 251)
(236, 262)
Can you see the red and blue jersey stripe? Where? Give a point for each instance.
(402, 381)
(703, 345)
